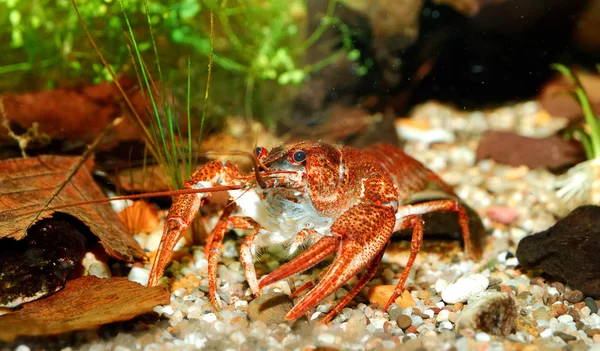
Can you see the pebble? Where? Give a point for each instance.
(416, 320)
(560, 287)
(593, 332)
(573, 296)
(403, 321)
(443, 316)
(463, 288)
(591, 303)
(481, 336)
(566, 337)
(565, 318)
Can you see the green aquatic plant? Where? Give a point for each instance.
(581, 184)
(589, 134)
(259, 46)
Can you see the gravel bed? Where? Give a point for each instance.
(437, 313)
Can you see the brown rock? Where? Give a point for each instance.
(515, 150)
(568, 251)
(558, 286)
(404, 321)
(555, 99)
(573, 296)
(270, 308)
(412, 329)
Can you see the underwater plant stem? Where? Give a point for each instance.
(319, 31)
(148, 86)
(147, 134)
(210, 62)
(588, 113)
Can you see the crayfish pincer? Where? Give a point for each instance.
(336, 199)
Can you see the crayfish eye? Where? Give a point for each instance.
(299, 156)
(260, 152)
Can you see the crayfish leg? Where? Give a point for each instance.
(417, 223)
(364, 279)
(185, 208)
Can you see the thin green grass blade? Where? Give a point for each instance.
(586, 107)
(167, 155)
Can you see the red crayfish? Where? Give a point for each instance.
(337, 199)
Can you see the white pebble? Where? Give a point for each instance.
(443, 316)
(327, 338)
(481, 336)
(168, 310)
(416, 320)
(585, 311)
(209, 317)
(22, 348)
(446, 325)
(139, 275)
(546, 333)
(565, 318)
(513, 261)
(440, 285)
(463, 288)
(429, 312)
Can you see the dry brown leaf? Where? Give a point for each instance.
(90, 110)
(26, 184)
(140, 217)
(84, 303)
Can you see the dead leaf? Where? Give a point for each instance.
(90, 110)
(84, 303)
(25, 186)
(140, 217)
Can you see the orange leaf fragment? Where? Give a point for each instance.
(380, 294)
(84, 303)
(140, 217)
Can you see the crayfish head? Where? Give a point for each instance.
(305, 165)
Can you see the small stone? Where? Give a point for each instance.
(416, 320)
(270, 308)
(566, 337)
(591, 303)
(463, 288)
(411, 330)
(491, 312)
(539, 281)
(423, 294)
(593, 332)
(575, 314)
(560, 287)
(573, 296)
(403, 321)
(481, 336)
(565, 318)
(443, 316)
(453, 317)
(546, 333)
(558, 310)
(503, 215)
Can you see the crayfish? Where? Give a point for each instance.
(333, 199)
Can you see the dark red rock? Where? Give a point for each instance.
(568, 250)
(515, 150)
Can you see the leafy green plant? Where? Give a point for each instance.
(590, 136)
